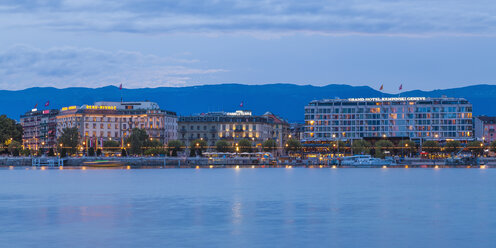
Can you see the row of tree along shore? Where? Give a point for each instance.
(140, 144)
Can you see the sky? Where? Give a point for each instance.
(420, 44)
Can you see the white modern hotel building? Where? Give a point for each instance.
(417, 118)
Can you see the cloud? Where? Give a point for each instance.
(335, 17)
(24, 66)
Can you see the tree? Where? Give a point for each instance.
(14, 147)
(111, 145)
(360, 147)
(174, 146)
(476, 147)
(25, 152)
(137, 141)
(337, 146)
(293, 145)
(406, 147)
(222, 146)
(69, 139)
(493, 146)
(452, 146)
(153, 143)
(123, 153)
(269, 145)
(98, 152)
(197, 147)
(244, 145)
(154, 151)
(63, 152)
(91, 152)
(51, 153)
(9, 130)
(430, 146)
(382, 146)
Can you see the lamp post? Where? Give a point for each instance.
(334, 145)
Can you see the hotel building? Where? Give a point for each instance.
(485, 127)
(115, 121)
(417, 118)
(39, 129)
(232, 127)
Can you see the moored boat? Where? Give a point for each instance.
(103, 163)
(365, 161)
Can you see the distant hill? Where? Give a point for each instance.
(286, 100)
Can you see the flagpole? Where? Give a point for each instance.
(120, 89)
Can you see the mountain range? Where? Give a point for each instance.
(285, 100)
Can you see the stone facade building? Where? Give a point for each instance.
(115, 121)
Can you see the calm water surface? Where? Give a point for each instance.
(248, 208)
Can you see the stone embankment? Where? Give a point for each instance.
(192, 162)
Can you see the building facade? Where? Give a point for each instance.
(39, 129)
(297, 130)
(280, 129)
(115, 121)
(233, 127)
(417, 118)
(484, 128)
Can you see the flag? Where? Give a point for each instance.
(120, 87)
(36, 105)
(401, 86)
(47, 103)
(382, 87)
(241, 104)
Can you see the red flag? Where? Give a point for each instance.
(120, 87)
(382, 87)
(401, 86)
(241, 104)
(47, 103)
(36, 105)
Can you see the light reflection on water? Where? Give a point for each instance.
(248, 208)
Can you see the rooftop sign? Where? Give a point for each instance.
(378, 99)
(69, 108)
(239, 113)
(101, 107)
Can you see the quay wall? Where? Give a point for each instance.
(202, 162)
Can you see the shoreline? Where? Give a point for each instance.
(202, 162)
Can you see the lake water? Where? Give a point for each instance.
(248, 208)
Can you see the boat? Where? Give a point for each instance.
(103, 163)
(365, 161)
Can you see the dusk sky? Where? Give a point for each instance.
(420, 44)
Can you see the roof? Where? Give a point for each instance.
(487, 119)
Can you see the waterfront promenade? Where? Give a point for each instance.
(202, 162)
